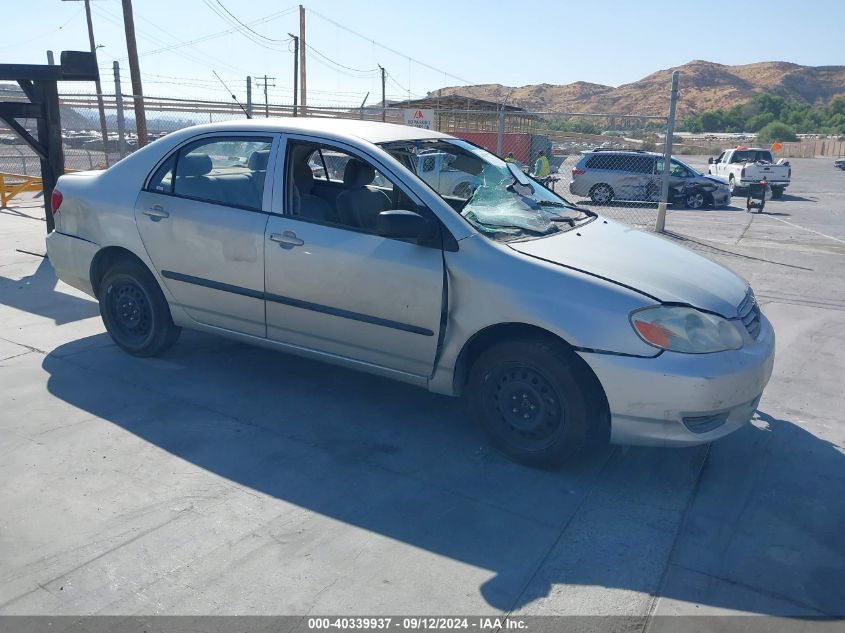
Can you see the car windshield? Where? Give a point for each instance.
(480, 186)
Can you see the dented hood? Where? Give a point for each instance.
(651, 264)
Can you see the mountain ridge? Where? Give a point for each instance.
(703, 86)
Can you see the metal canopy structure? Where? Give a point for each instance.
(39, 84)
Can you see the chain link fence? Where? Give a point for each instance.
(609, 163)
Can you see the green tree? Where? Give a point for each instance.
(776, 131)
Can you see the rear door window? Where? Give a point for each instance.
(228, 170)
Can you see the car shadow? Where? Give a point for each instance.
(37, 294)
(788, 197)
(405, 464)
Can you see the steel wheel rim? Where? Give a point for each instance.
(130, 310)
(526, 409)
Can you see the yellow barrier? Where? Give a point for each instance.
(13, 184)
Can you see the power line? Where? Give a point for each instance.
(251, 35)
(387, 48)
(369, 71)
(247, 27)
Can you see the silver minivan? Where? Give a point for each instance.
(611, 175)
(317, 237)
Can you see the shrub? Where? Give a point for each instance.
(776, 131)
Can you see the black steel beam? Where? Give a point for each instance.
(27, 87)
(21, 131)
(32, 72)
(20, 110)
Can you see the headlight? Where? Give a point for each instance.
(687, 330)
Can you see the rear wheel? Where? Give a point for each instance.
(134, 310)
(530, 397)
(777, 192)
(733, 187)
(601, 194)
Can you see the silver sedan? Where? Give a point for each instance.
(317, 237)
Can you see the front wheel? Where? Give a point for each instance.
(530, 397)
(134, 310)
(695, 200)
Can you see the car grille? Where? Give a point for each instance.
(749, 313)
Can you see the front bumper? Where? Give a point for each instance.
(71, 258)
(657, 401)
(721, 197)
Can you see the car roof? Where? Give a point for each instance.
(372, 131)
(634, 152)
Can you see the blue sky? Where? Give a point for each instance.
(448, 42)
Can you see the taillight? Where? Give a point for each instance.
(742, 173)
(56, 201)
(577, 172)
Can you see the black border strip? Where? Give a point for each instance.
(296, 303)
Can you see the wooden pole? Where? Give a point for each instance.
(135, 73)
(104, 130)
(302, 94)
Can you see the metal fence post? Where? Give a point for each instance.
(660, 225)
(501, 131)
(248, 97)
(118, 100)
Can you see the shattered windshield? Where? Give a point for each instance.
(479, 185)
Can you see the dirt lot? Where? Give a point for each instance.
(225, 479)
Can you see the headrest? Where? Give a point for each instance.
(358, 174)
(258, 160)
(194, 165)
(303, 177)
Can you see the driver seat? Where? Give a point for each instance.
(357, 205)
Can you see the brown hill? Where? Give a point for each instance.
(703, 86)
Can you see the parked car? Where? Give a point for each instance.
(634, 175)
(840, 163)
(556, 323)
(745, 165)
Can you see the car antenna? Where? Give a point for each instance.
(248, 116)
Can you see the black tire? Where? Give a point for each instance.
(735, 191)
(777, 192)
(531, 398)
(601, 193)
(134, 310)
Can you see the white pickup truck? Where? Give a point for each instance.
(744, 165)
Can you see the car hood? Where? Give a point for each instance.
(650, 264)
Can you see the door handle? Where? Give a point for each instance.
(288, 239)
(156, 212)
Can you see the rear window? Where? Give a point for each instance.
(752, 155)
(622, 162)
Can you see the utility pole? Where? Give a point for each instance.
(118, 101)
(295, 68)
(104, 130)
(302, 90)
(266, 101)
(135, 73)
(383, 93)
(249, 97)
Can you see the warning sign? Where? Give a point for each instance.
(416, 117)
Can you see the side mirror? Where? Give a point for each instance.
(710, 161)
(402, 224)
